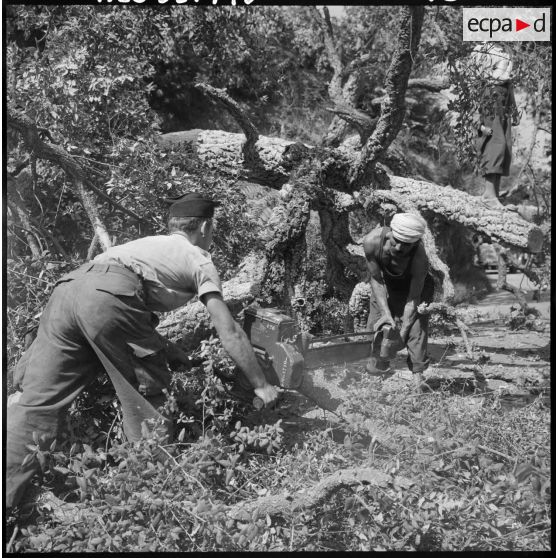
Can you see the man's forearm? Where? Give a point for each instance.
(380, 294)
(238, 346)
(409, 316)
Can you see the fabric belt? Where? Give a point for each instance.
(110, 268)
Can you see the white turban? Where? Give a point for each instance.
(407, 227)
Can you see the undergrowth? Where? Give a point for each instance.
(479, 475)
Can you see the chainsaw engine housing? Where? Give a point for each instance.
(272, 335)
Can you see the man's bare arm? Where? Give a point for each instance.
(418, 276)
(236, 343)
(371, 245)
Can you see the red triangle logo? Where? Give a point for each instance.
(519, 25)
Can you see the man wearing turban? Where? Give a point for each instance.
(399, 282)
(102, 315)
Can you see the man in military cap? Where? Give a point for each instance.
(102, 314)
(399, 283)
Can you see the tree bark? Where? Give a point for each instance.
(189, 325)
(344, 89)
(285, 235)
(456, 206)
(315, 495)
(434, 85)
(222, 150)
(18, 191)
(92, 211)
(344, 268)
(393, 106)
(25, 224)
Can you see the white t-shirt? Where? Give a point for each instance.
(173, 269)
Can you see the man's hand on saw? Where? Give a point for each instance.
(267, 393)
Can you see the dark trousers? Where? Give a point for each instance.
(417, 343)
(95, 318)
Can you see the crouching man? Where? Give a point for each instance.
(399, 283)
(102, 314)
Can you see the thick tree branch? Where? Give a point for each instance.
(92, 211)
(20, 212)
(434, 85)
(360, 120)
(393, 106)
(506, 227)
(315, 495)
(344, 89)
(335, 87)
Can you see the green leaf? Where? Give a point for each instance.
(41, 459)
(28, 459)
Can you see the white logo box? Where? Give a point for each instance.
(505, 24)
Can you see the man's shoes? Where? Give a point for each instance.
(491, 203)
(495, 204)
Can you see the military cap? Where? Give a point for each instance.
(192, 204)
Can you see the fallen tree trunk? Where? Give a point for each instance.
(314, 495)
(223, 151)
(456, 206)
(189, 325)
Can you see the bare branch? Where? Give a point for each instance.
(21, 212)
(434, 85)
(93, 213)
(335, 88)
(92, 247)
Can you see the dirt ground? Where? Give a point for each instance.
(514, 363)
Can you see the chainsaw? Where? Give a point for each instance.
(285, 355)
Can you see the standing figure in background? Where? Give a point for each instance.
(497, 114)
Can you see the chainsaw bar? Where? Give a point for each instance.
(337, 350)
